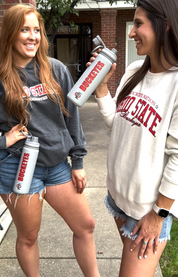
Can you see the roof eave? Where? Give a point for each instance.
(92, 5)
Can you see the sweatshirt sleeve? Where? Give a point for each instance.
(107, 104)
(2, 138)
(78, 151)
(107, 107)
(3, 142)
(73, 124)
(169, 183)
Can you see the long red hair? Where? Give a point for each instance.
(12, 24)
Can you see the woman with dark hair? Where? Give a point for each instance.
(142, 178)
(33, 90)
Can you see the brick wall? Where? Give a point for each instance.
(6, 4)
(111, 30)
(108, 34)
(93, 17)
(122, 17)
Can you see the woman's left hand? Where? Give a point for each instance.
(79, 179)
(149, 228)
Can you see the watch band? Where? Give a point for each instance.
(162, 212)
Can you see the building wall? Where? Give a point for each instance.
(93, 17)
(6, 4)
(122, 17)
(108, 34)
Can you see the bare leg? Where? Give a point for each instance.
(74, 209)
(119, 224)
(27, 219)
(131, 266)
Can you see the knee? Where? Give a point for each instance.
(89, 225)
(28, 239)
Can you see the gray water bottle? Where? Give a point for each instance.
(26, 165)
(93, 75)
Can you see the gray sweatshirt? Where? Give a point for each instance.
(59, 136)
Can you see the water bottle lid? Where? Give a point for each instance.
(114, 51)
(98, 41)
(110, 54)
(32, 141)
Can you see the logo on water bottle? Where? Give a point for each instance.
(23, 167)
(78, 95)
(18, 186)
(91, 76)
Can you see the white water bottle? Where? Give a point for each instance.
(93, 75)
(26, 166)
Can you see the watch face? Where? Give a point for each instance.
(163, 213)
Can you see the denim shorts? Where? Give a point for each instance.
(131, 222)
(42, 177)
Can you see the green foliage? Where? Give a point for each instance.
(56, 12)
(53, 11)
(169, 259)
(115, 1)
(134, 2)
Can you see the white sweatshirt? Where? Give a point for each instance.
(143, 149)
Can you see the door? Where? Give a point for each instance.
(74, 50)
(68, 53)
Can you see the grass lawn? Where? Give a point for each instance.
(169, 259)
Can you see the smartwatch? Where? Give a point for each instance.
(160, 211)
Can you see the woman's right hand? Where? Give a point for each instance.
(15, 134)
(102, 89)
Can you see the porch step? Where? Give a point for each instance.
(5, 220)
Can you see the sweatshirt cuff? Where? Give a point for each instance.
(3, 142)
(103, 102)
(168, 189)
(77, 164)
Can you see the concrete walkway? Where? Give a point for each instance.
(55, 239)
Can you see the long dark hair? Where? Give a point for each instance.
(160, 13)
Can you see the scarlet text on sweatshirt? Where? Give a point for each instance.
(140, 111)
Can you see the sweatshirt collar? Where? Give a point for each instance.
(158, 75)
(30, 65)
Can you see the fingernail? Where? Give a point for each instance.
(131, 233)
(145, 256)
(140, 257)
